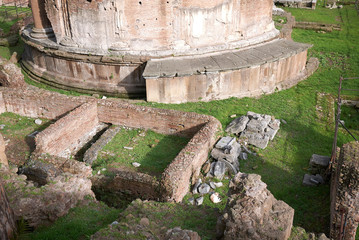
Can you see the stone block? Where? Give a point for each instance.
(225, 143)
(319, 161)
(237, 125)
(256, 139)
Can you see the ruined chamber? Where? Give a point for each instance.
(103, 46)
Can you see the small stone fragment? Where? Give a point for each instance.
(128, 148)
(215, 198)
(191, 201)
(233, 116)
(199, 201)
(218, 184)
(114, 223)
(206, 167)
(38, 121)
(104, 97)
(283, 121)
(204, 188)
(243, 156)
(196, 185)
(213, 186)
(136, 164)
(2, 126)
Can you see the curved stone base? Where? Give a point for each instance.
(252, 72)
(103, 74)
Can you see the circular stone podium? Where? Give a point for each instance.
(103, 46)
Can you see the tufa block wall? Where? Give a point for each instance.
(64, 134)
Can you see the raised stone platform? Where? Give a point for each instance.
(262, 69)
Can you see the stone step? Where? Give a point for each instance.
(227, 61)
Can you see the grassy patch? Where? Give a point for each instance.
(152, 150)
(80, 223)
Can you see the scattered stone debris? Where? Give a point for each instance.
(248, 198)
(2, 126)
(256, 129)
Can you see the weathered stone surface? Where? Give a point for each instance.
(199, 201)
(219, 169)
(225, 143)
(179, 234)
(253, 213)
(256, 139)
(237, 125)
(10, 75)
(220, 84)
(319, 161)
(196, 185)
(204, 188)
(230, 155)
(3, 158)
(312, 180)
(7, 219)
(54, 199)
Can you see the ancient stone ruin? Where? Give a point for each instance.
(344, 194)
(252, 212)
(166, 51)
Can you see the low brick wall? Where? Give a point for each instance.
(34, 102)
(344, 210)
(7, 219)
(187, 165)
(159, 120)
(65, 133)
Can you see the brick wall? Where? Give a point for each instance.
(345, 193)
(65, 133)
(7, 220)
(89, 112)
(186, 166)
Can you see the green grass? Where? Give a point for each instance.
(80, 223)
(152, 150)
